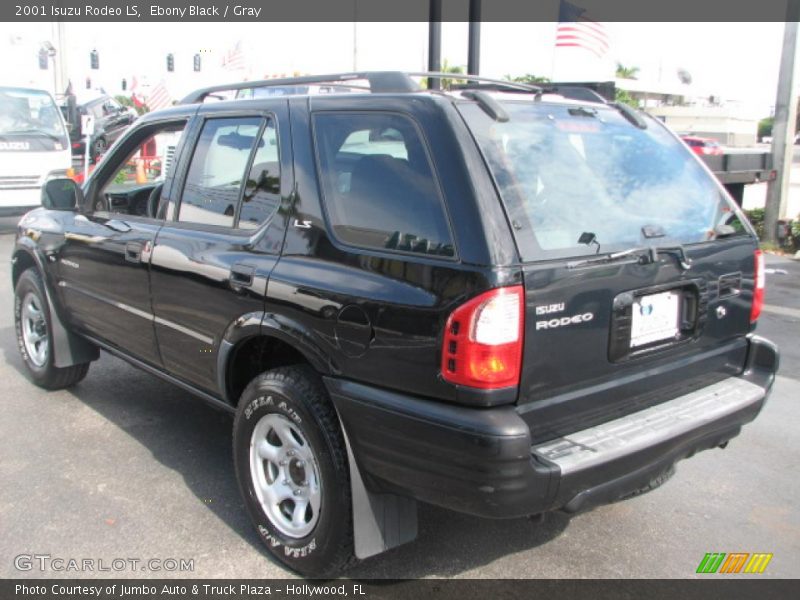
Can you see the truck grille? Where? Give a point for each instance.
(19, 182)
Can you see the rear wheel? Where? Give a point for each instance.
(291, 464)
(34, 338)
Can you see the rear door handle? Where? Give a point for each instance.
(242, 275)
(133, 252)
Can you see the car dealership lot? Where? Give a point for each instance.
(125, 466)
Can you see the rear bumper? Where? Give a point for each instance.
(482, 462)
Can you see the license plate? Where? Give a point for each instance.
(655, 318)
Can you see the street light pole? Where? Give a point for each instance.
(783, 127)
(474, 49)
(434, 42)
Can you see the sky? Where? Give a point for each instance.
(734, 61)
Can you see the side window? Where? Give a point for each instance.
(378, 183)
(217, 171)
(134, 188)
(96, 110)
(262, 191)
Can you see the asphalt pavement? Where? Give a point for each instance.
(125, 466)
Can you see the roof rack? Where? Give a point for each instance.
(401, 82)
(379, 82)
(493, 83)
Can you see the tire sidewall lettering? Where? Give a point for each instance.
(266, 403)
(279, 405)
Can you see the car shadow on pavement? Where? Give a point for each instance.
(194, 440)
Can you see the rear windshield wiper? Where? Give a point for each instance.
(643, 255)
(611, 257)
(677, 251)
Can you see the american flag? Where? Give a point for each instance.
(577, 31)
(234, 58)
(159, 97)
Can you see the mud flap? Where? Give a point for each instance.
(68, 348)
(380, 521)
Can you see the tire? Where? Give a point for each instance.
(34, 339)
(287, 443)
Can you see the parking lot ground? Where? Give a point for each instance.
(127, 466)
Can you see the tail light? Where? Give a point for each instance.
(758, 292)
(482, 345)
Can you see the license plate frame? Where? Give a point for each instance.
(655, 318)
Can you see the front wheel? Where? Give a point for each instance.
(34, 336)
(291, 465)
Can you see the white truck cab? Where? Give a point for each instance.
(34, 147)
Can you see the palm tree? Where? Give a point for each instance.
(448, 68)
(527, 78)
(624, 72)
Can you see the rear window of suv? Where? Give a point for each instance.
(379, 186)
(564, 171)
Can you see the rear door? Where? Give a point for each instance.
(213, 257)
(638, 269)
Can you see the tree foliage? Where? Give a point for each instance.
(527, 78)
(625, 97)
(624, 72)
(126, 101)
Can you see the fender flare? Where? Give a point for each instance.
(68, 348)
(267, 325)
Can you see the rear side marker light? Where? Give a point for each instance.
(482, 346)
(760, 283)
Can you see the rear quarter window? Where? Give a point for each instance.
(378, 184)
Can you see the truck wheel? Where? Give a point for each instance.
(292, 469)
(34, 340)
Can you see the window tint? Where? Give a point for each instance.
(217, 171)
(380, 191)
(262, 192)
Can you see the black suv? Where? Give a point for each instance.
(110, 121)
(501, 299)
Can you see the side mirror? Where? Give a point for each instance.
(61, 194)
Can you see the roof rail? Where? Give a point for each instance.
(379, 82)
(400, 82)
(495, 83)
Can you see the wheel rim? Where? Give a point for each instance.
(34, 330)
(285, 475)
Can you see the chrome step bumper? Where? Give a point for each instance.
(612, 440)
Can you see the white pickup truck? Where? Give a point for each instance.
(34, 147)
